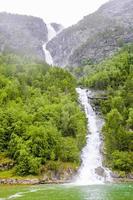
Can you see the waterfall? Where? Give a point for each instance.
(51, 34)
(91, 170)
(48, 57)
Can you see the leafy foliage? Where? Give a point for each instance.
(115, 76)
(40, 120)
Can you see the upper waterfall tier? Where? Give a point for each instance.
(51, 34)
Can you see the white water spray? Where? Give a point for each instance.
(91, 170)
(51, 34)
(48, 57)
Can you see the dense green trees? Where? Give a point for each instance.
(111, 72)
(40, 120)
(41, 123)
(115, 76)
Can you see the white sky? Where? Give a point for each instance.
(66, 12)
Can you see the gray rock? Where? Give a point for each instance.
(45, 178)
(100, 171)
(57, 27)
(12, 181)
(115, 175)
(6, 166)
(97, 36)
(23, 35)
(130, 176)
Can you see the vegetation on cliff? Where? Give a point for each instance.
(115, 76)
(41, 123)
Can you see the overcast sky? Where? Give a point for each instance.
(66, 12)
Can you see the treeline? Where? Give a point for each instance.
(115, 76)
(40, 120)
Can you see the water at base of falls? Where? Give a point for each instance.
(91, 170)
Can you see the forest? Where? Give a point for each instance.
(41, 122)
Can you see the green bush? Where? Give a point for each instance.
(123, 161)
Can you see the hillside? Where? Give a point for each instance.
(96, 36)
(40, 120)
(23, 35)
(115, 77)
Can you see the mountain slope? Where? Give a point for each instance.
(95, 37)
(22, 34)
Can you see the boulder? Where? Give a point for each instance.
(100, 171)
(115, 175)
(130, 176)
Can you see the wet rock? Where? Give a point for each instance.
(115, 175)
(48, 177)
(12, 181)
(130, 176)
(100, 171)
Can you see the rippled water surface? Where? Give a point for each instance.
(68, 192)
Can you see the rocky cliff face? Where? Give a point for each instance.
(57, 27)
(95, 37)
(23, 35)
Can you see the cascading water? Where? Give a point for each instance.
(51, 34)
(91, 170)
(48, 57)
